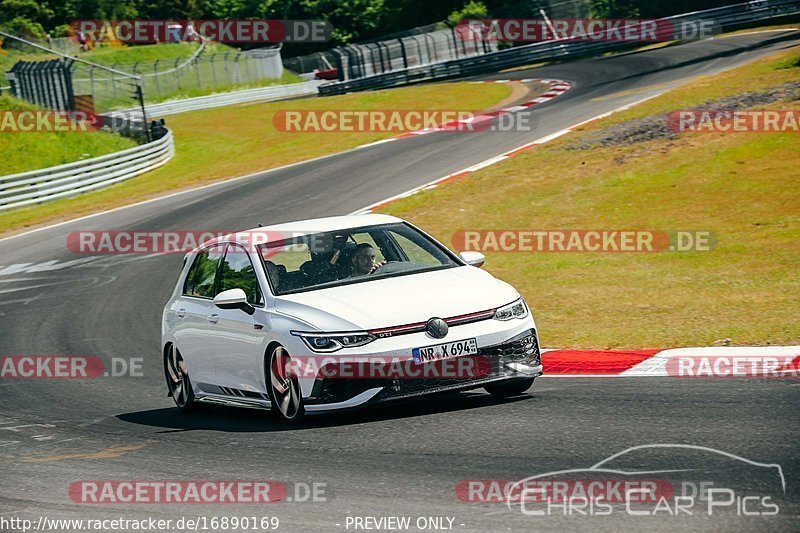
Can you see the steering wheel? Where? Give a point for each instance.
(385, 264)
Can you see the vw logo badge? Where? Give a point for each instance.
(437, 328)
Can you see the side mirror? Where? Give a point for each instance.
(475, 259)
(233, 299)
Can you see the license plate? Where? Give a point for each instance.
(445, 351)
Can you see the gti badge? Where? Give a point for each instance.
(437, 328)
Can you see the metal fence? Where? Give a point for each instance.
(52, 83)
(425, 48)
(75, 83)
(18, 190)
(724, 18)
(162, 79)
(420, 46)
(45, 83)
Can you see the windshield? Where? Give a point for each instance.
(353, 255)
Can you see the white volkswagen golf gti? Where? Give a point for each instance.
(341, 312)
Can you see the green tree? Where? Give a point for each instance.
(471, 10)
(25, 17)
(24, 27)
(352, 20)
(615, 8)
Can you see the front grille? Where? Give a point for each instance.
(523, 348)
(459, 320)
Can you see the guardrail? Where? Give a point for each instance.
(18, 190)
(260, 94)
(723, 18)
(36, 186)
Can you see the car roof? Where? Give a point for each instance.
(278, 232)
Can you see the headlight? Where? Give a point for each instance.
(516, 309)
(331, 342)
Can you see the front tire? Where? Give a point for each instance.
(178, 382)
(510, 388)
(284, 389)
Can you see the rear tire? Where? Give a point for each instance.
(178, 383)
(510, 388)
(283, 388)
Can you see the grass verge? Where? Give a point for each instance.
(148, 52)
(743, 187)
(226, 142)
(30, 151)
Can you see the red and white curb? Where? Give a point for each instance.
(717, 361)
(475, 123)
(525, 80)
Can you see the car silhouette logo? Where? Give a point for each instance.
(437, 328)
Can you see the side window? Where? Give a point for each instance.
(238, 273)
(282, 264)
(290, 256)
(416, 253)
(200, 281)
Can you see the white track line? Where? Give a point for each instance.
(657, 364)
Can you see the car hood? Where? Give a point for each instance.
(399, 300)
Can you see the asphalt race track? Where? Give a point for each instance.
(403, 460)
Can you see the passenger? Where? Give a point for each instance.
(322, 266)
(363, 260)
(274, 274)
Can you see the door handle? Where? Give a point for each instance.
(180, 313)
(213, 318)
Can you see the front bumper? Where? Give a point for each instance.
(516, 358)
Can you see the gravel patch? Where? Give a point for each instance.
(655, 127)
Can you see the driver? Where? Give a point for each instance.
(363, 260)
